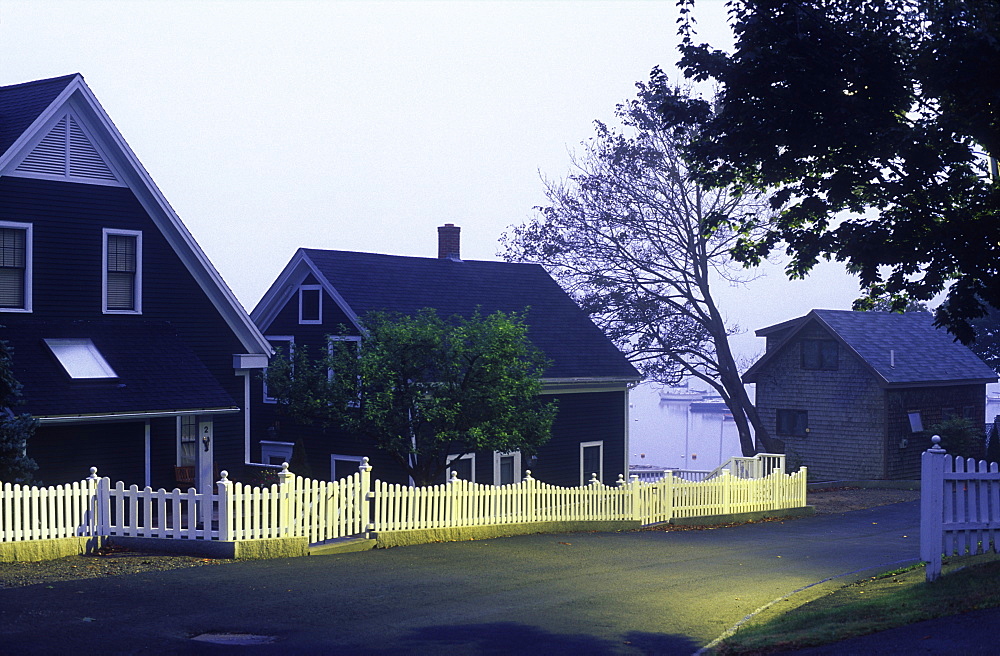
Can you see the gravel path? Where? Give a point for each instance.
(116, 561)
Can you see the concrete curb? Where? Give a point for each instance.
(37, 550)
(390, 539)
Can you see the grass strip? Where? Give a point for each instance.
(876, 603)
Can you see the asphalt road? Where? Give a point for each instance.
(579, 593)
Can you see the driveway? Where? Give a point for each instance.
(643, 592)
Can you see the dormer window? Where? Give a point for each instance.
(80, 358)
(310, 304)
(122, 271)
(820, 354)
(15, 267)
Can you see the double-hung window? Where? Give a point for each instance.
(591, 461)
(15, 267)
(122, 271)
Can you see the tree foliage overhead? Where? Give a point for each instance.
(627, 236)
(871, 120)
(423, 387)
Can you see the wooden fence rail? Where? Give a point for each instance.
(321, 510)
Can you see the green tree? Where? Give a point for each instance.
(423, 388)
(872, 120)
(15, 430)
(626, 235)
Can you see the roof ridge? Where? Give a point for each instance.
(45, 81)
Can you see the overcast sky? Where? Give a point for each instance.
(363, 126)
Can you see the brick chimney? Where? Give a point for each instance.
(448, 242)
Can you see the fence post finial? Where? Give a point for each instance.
(621, 480)
(936, 444)
(454, 477)
(364, 466)
(527, 475)
(93, 474)
(593, 479)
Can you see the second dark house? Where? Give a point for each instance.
(320, 290)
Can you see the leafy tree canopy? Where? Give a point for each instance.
(423, 388)
(872, 121)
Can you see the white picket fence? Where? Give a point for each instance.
(959, 507)
(356, 505)
(44, 513)
(757, 466)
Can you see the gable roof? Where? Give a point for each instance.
(363, 282)
(900, 350)
(30, 111)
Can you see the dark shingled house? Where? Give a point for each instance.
(319, 290)
(133, 353)
(845, 391)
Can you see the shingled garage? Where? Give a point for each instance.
(320, 290)
(847, 391)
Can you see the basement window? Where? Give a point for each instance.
(80, 358)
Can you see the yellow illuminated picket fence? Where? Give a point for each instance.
(360, 504)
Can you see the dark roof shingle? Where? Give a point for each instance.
(157, 371)
(20, 105)
(557, 326)
(901, 349)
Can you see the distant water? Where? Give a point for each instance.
(674, 434)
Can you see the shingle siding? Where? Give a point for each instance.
(846, 425)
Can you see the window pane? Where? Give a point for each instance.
(121, 291)
(11, 288)
(121, 270)
(591, 462)
(309, 304)
(506, 470)
(121, 253)
(80, 358)
(12, 264)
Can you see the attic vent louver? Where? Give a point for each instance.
(67, 152)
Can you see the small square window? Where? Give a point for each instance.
(819, 354)
(793, 423)
(80, 358)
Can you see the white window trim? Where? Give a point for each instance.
(291, 351)
(318, 288)
(280, 449)
(496, 465)
(452, 457)
(28, 239)
(138, 270)
(585, 475)
(334, 457)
